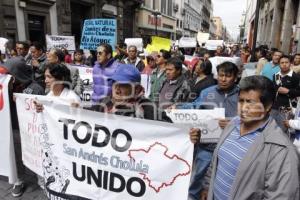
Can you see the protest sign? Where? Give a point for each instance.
(213, 44)
(157, 44)
(215, 61)
(206, 120)
(86, 75)
(146, 83)
(202, 37)
(98, 31)
(7, 152)
(3, 42)
(59, 41)
(103, 156)
(138, 42)
(249, 69)
(187, 42)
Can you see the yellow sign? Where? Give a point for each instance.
(158, 43)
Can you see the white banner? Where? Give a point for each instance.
(213, 44)
(59, 41)
(7, 152)
(206, 120)
(104, 156)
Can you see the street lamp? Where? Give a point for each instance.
(156, 14)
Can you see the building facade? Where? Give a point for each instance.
(279, 24)
(179, 14)
(32, 19)
(219, 27)
(155, 17)
(192, 17)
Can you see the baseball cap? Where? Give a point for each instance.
(126, 73)
(17, 67)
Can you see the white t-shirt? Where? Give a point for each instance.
(66, 97)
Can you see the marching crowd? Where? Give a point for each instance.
(257, 156)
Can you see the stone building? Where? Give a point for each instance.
(32, 19)
(279, 24)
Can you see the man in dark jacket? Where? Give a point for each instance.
(37, 62)
(175, 89)
(287, 84)
(133, 59)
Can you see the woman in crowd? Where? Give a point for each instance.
(78, 57)
(58, 81)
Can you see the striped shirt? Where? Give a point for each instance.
(230, 154)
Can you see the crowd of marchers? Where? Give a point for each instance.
(257, 155)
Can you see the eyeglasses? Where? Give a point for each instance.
(99, 52)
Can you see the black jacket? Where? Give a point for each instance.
(290, 81)
(196, 88)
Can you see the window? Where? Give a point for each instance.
(164, 6)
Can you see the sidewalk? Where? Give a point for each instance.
(32, 192)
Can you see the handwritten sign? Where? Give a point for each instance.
(206, 120)
(98, 31)
(58, 41)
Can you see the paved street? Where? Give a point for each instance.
(33, 191)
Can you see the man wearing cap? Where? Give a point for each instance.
(22, 83)
(127, 99)
(102, 71)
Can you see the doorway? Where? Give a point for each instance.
(36, 28)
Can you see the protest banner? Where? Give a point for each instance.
(206, 120)
(98, 31)
(138, 42)
(187, 42)
(59, 41)
(7, 152)
(103, 156)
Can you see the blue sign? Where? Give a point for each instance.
(98, 31)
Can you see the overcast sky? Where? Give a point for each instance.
(231, 12)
